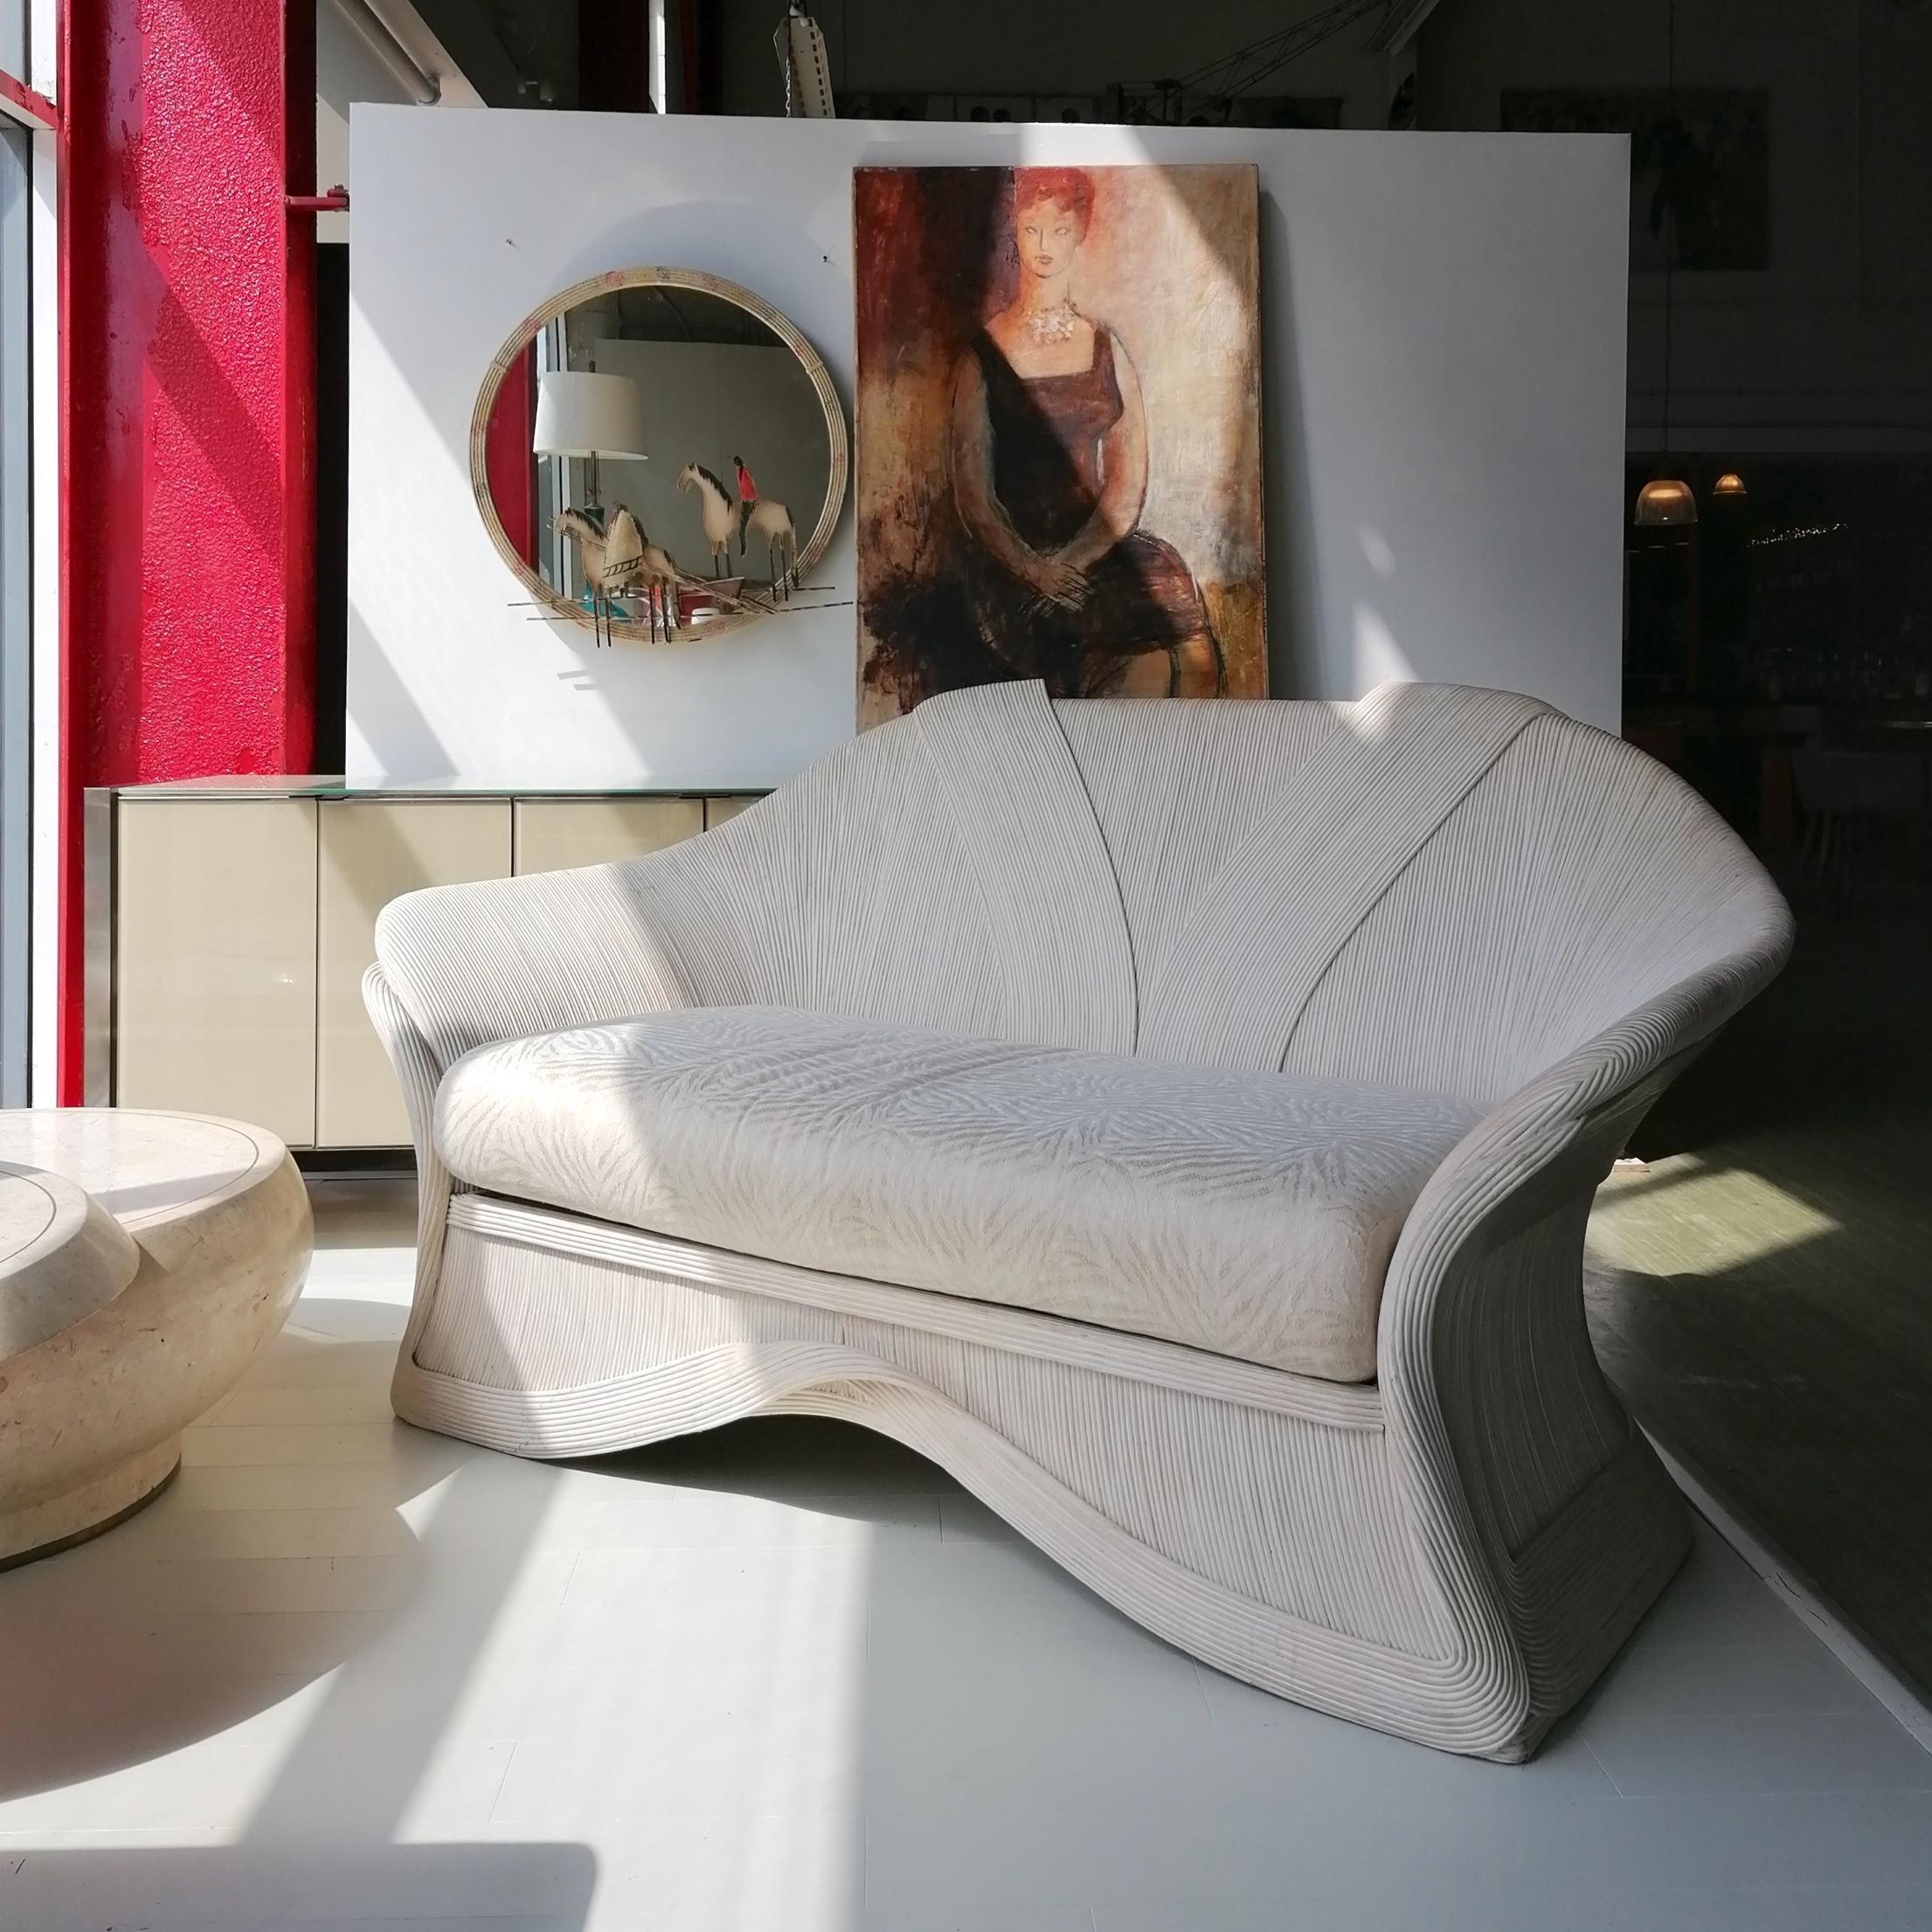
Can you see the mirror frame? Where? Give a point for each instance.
(526, 331)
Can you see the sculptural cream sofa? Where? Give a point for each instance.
(1178, 1118)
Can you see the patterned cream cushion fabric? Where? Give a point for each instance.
(1251, 1213)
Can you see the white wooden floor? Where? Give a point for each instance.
(790, 1677)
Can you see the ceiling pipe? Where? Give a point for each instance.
(376, 34)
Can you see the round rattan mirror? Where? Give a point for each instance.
(660, 454)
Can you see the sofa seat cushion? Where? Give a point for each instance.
(1249, 1213)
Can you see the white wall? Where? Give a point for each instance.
(348, 72)
(1442, 390)
(345, 72)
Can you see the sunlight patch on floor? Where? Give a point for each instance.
(1681, 1216)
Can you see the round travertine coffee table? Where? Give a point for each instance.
(146, 1259)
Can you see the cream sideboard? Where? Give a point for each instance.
(230, 922)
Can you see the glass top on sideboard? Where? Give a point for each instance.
(311, 786)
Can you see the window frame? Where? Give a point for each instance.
(30, 721)
(16, 609)
(26, 106)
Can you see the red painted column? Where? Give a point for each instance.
(188, 444)
(507, 467)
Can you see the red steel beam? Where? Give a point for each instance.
(188, 401)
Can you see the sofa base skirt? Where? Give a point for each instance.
(1257, 1520)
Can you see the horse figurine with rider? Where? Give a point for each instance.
(748, 514)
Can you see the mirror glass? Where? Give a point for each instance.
(659, 454)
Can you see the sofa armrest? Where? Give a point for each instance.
(500, 959)
(1490, 1384)
(419, 1073)
(1536, 1148)
(1493, 1396)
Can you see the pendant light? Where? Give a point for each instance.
(1667, 499)
(1730, 484)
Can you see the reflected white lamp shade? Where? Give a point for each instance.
(580, 413)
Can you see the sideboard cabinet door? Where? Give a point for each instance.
(726, 806)
(215, 965)
(371, 853)
(553, 835)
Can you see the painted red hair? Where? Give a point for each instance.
(1066, 188)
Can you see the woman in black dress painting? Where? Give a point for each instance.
(1048, 456)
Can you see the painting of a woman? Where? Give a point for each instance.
(1049, 449)
(1025, 511)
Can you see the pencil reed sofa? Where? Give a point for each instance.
(1178, 1118)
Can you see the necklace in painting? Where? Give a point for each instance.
(1051, 325)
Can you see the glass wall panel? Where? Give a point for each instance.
(16, 647)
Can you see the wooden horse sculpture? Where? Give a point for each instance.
(619, 560)
(722, 517)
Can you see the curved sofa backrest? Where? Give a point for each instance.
(1445, 888)
(1437, 886)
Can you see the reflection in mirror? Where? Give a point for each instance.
(664, 455)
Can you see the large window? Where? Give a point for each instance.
(15, 611)
(26, 117)
(14, 37)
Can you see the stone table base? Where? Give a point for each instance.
(91, 1415)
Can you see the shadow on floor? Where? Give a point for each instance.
(1768, 1319)
(240, 1887)
(838, 1466)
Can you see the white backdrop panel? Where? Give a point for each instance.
(1443, 355)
